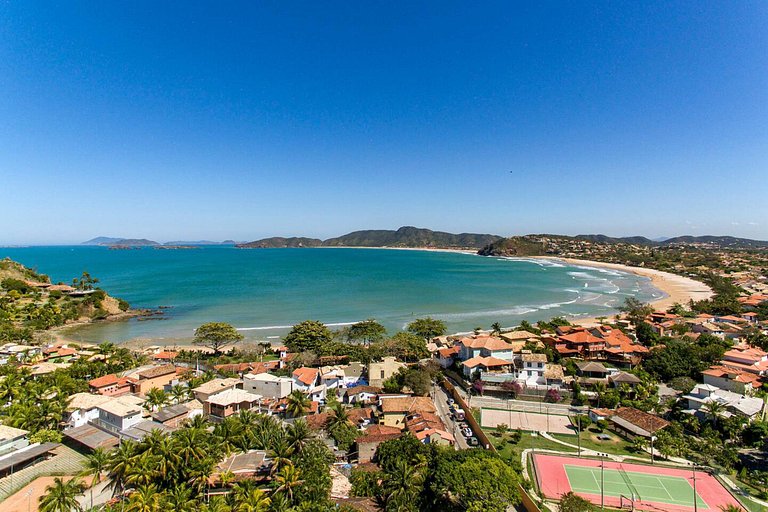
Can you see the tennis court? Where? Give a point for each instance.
(530, 421)
(649, 488)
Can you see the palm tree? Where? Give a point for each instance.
(287, 480)
(144, 470)
(121, 464)
(339, 417)
(402, 487)
(298, 434)
(731, 508)
(62, 496)
(145, 499)
(281, 455)
(496, 328)
(180, 499)
(714, 410)
(297, 404)
(95, 464)
(179, 393)
(156, 398)
(250, 499)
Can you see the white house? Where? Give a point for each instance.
(735, 404)
(268, 385)
(484, 346)
(532, 371)
(118, 414)
(82, 408)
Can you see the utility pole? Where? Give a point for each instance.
(695, 503)
(578, 430)
(602, 481)
(651, 448)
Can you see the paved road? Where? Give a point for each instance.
(440, 398)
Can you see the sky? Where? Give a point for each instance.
(242, 120)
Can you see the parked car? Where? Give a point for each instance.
(472, 441)
(450, 401)
(467, 432)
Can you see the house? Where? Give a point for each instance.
(82, 408)
(620, 348)
(226, 403)
(395, 409)
(520, 337)
(381, 371)
(89, 437)
(268, 385)
(732, 379)
(242, 466)
(591, 370)
(750, 317)
(554, 375)
(17, 453)
(636, 423)
(360, 394)
(446, 356)
(12, 439)
(341, 376)
(533, 367)
(597, 414)
(747, 358)
(120, 413)
(485, 365)
(155, 377)
(141, 430)
(174, 415)
(305, 378)
(203, 391)
(734, 404)
(60, 354)
(254, 367)
(482, 345)
(373, 437)
(623, 378)
(580, 342)
(110, 385)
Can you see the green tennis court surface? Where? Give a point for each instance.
(672, 490)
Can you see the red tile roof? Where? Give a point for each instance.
(102, 382)
(486, 342)
(306, 375)
(488, 362)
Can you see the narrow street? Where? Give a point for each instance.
(440, 398)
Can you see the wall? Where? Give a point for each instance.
(471, 421)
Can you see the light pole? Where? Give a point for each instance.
(602, 480)
(695, 504)
(651, 448)
(578, 432)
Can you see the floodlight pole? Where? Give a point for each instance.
(695, 504)
(578, 429)
(602, 481)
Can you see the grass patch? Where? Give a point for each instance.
(513, 452)
(616, 446)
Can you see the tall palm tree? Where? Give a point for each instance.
(339, 417)
(287, 480)
(145, 499)
(95, 464)
(496, 328)
(297, 404)
(281, 455)
(62, 496)
(179, 393)
(121, 463)
(715, 411)
(144, 470)
(156, 398)
(298, 434)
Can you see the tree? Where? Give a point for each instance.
(156, 398)
(297, 403)
(403, 487)
(645, 333)
(501, 429)
(62, 496)
(287, 480)
(512, 387)
(715, 411)
(418, 381)
(571, 502)
(635, 310)
(496, 328)
(309, 335)
(427, 328)
(216, 335)
(85, 282)
(145, 499)
(407, 346)
(366, 331)
(95, 464)
(552, 396)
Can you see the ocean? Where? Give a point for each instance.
(263, 292)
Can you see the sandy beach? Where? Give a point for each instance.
(675, 287)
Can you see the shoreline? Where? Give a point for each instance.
(676, 288)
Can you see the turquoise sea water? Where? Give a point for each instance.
(265, 291)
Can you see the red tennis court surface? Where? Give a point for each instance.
(655, 488)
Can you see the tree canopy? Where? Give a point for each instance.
(427, 328)
(309, 335)
(216, 335)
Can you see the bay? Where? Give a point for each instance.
(265, 291)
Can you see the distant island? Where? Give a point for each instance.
(143, 242)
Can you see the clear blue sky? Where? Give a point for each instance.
(244, 120)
